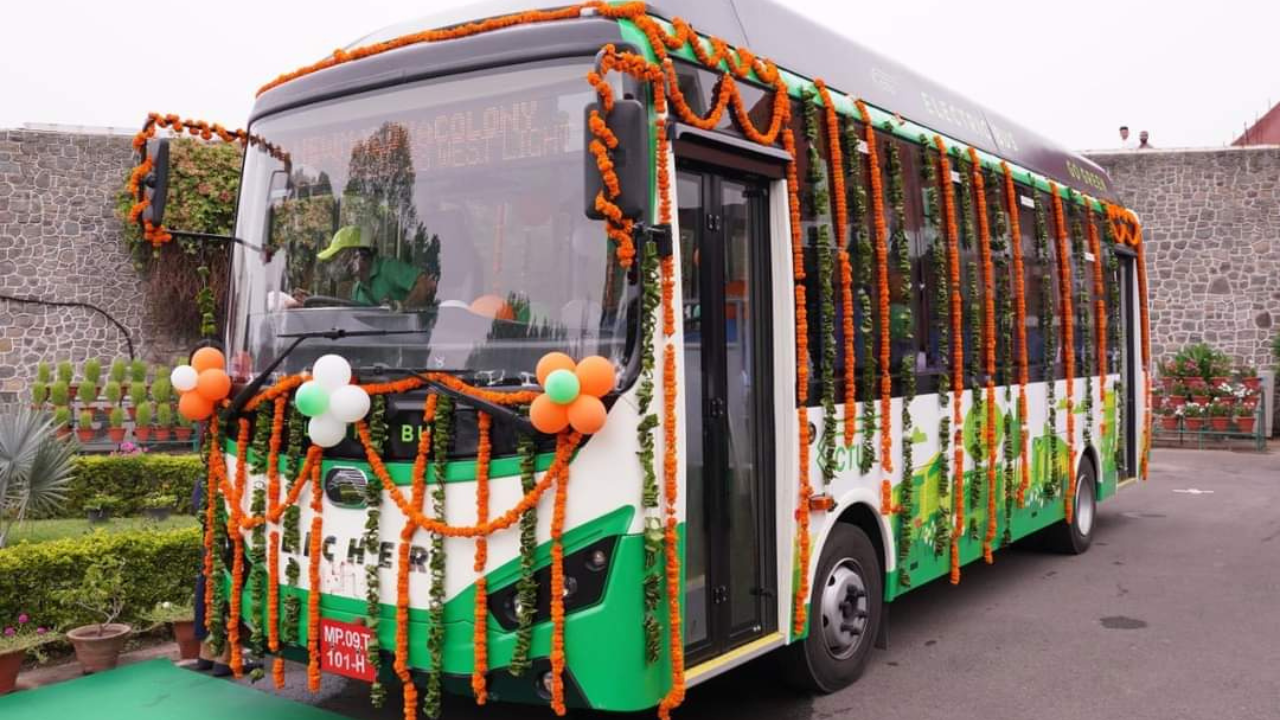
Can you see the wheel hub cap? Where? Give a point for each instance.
(845, 608)
(1084, 508)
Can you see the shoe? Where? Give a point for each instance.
(203, 665)
(221, 670)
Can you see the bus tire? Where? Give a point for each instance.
(1074, 538)
(845, 611)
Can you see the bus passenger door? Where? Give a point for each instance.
(730, 594)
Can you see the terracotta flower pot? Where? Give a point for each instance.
(64, 432)
(1194, 424)
(142, 433)
(160, 434)
(98, 652)
(182, 434)
(10, 664)
(116, 434)
(1200, 399)
(1194, 383)
(184, 631)
(1220, 424)
(1253, 383)
(1220, 379)
(1177, 401)
(86, 435)
(1244, 423)
(1169, 422)
(1227, 400)
(133, 412)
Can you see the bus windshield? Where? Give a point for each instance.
(447, 212)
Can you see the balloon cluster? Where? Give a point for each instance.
(202, 384)
(330, 400)
(571, 393)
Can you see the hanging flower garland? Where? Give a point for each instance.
(1116, 340)
(820, 235)
(1020, 323)
(1082, 318)
(1004, 346)
(237, 542)
(527, 585)
(988, 347)
(1045, 323)
(957, 350)
(941, 324)
(649, 500)
(901, 247)
(373, 581)
(484, 449)
(1068, 343)
(859, 275)
(836, 170)
(974, 352)
(880, 238)
(441, 440)
(1099, 313)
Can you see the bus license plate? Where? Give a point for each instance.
(344, 650)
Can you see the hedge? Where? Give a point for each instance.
(159, 565)
(131, 478)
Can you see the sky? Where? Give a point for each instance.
(1193, 75)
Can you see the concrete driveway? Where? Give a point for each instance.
(1174, 613)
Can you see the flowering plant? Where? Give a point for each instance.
(129, 448)
(168, 612)
(1194, 410)
(25, 635)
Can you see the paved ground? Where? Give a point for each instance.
(1174, 613)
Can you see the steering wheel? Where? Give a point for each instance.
(328, 301)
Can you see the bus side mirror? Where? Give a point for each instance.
(155, 186)
(629, 122)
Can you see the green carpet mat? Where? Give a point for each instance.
(152, 690)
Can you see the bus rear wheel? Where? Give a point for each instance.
(845, 609)
(1073, 538)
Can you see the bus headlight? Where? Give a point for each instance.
(585, 576)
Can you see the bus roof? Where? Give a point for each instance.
(811, 49)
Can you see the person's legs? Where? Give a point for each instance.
(205, 661)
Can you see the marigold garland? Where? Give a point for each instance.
(880, 238)
(988, 347)
(957, 350)
(557, 593)
(273, 553)
(1099, 313)
(821, 236)
(1020, 320)
(313, 581)
(907, 371)
(1068, 341)
(484, 449)
(237, 541)
(835, 160)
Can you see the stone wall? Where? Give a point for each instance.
(60, 241)
(1211, 223)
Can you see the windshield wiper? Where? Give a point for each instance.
(521, 422)
(248, 391)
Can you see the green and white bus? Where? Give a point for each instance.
(864, 340)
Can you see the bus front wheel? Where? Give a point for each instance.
(1073, 538)
(845, 609)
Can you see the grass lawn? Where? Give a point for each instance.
(38, 531)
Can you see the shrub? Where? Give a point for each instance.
(86, 419)
(159, 566)
(164, 415)
(92, 371)
(43, 373)
(59, 393)
(145, 412)
(116, 418)
(137, 393)
(65, 372)
(102, 502)
(131, 478)
(61, 416)
(87, 392)
(161, 389)
(157, 501)
(39, 393)
(118, 369)
(113, 392)
(138, 371)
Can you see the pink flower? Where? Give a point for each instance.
(41, 631)
(22, 619)
(10, 632)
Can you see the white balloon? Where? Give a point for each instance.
(326, 430)
(331, 372)
(349, 403)
(183, 378)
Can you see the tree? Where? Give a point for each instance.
(35, 467)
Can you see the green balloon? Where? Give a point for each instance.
(562, 386)
(311, 399)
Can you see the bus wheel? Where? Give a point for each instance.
(844, 614)
(1074, 538)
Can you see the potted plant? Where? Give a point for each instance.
(65, 375)
(60, 394)
(113, 393)
(99, 506)
(1200, 393)
(142, 421)
(39, 394)
(137, 396)
(1248, 376)
(157, 506)
(15, 643)
(182, 619)
(164, 421)
(1193, 415)
(119, 371)
(92, 372)
(86, 394)
(43, 373)
(162, 389)
(62, 420)
(138, 375)
(101, 592)
(1169, 418)
(84, 429)
(1245, 419)
(1224, 394)
(115, 425)
(1178, 395)
(1220, 367)
(1220, 417)
(182, 429)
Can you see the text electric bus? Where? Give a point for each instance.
(863, 333)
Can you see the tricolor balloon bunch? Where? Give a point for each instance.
(571, 393)
(331, 401)
(202, 384)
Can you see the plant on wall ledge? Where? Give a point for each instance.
(203, 182)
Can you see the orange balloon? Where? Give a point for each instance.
(547, 416)
(551, 362)
(213, 385)
(595, 376)
(492, 306)
(587, 414)
(193, 406)
(207, 358)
